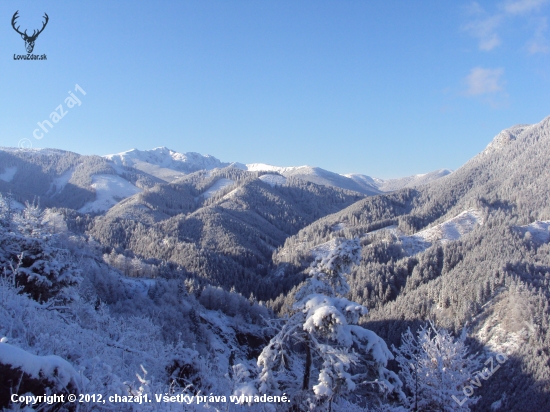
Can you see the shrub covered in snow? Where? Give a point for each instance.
(24, 373)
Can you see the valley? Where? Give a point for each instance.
(199, 259)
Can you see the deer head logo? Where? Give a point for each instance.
(29, 40)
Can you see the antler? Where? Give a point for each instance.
(15, 16)
(35, 35)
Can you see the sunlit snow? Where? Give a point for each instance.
(8, 174)
(109, 189)
(59, 182)
(539, 231)
(273, 180)
(216, 187)
(450, 230)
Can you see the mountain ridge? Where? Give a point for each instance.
(468, 250)
(156, 162)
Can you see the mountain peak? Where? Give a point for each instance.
(164, 157)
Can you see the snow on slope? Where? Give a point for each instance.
(216, 187)
(262, 167)
(506, 137)
(57, 370)
(391, 185)
(59, 183)
(356, 182)
(164, 163)
(315, 175)
(139, 285)
(371, 183)
(8, 174)
(273, 180)
(109, 190)
(450, 230)
(539, 231)
(168, 165)
(323, 250)
(338, 226)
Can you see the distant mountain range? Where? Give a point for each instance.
(169, 165)
(164, 163)
(469, 249)
(95, 184)
(234, 214)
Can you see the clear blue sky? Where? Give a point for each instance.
(385, 88)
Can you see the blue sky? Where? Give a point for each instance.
(385, 88)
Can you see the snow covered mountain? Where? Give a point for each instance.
(164, 163)
(59, 178)
(169, 165)
(318, 176)
(183, 257)
(357, 182)
(94, 184)
(390, 185)
(470, 248)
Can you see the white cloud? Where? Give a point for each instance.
(539, 44)
(485, 31)
(523, 6)
(535, 47)
(474, 8)
(489, 42)
(482, 81)
(485, 27)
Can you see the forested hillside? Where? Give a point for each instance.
(206, 277)
(64, 179)
(225, 239)
(490, 273)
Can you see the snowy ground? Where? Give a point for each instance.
(216, 187)
(539, 231)
(38, 367)
(450, 230)
(110, 189)
(322, 250)
(273, 180)
(262, 167)
(139, 285)
(8, 174)
(338, 226)
(59, 182)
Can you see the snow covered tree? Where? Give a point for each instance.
(435, 367)
(137, 267)
(30, 220)
(321, 353)
(54, 222)
(46, 272)
(42, 270)
(6, 210)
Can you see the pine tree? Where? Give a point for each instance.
(435, 367)
(321, 353)
(30, 220)
(6, 210)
